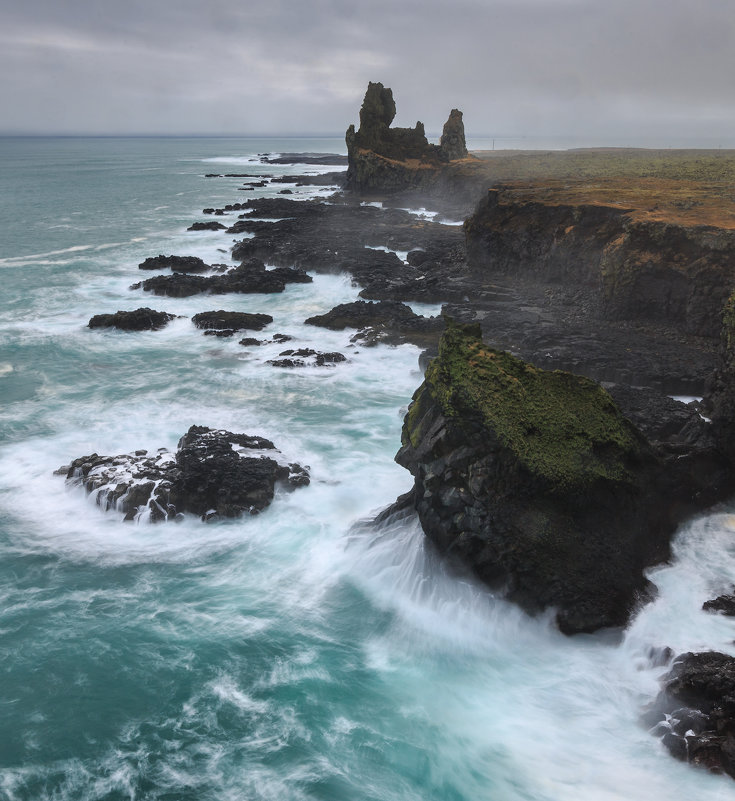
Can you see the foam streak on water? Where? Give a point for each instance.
(293, 655)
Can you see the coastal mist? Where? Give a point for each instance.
(303, 652)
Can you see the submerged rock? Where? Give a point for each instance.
(213, 474)
(296, 357)
(695, 711)
(143, 319)
(537, 482)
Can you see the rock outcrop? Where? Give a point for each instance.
(250, 277)
(386, 321)
(179, 264)
(695, 713)
(538, 483)
(143, 319)
(212, 474)
(231, 321)
(452, 145)
(390, 159)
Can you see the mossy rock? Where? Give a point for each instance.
(562, 427)
(536, 481)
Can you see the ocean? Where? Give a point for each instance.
(297, 654)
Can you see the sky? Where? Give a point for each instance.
(607, 72)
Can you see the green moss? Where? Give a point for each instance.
(560, 426)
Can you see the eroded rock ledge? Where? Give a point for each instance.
(537, 482)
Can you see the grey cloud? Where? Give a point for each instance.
(293, 66)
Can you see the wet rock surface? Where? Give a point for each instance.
(723, 604)
(231, 321)
(179, 264)
(250, 277)
(694, 714)
(385, 321)
(538, 483)
(212, 474)
(143, 319)
(307, 357)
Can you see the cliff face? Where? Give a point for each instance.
(381, 158)
(721, 390)
(538, 483)
(645, 266)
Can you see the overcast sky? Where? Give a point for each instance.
(620, 68)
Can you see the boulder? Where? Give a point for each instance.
(143, 319)
(695, 711)
(213, 474)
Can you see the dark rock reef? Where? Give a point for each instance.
(695, 712)
(143, 319)
(212, 474)
(538, 483)
(250, 277)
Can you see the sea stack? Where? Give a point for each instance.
(390, 159)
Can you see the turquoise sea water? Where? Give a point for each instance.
(292, 655)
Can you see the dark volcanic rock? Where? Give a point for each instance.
(537, 482)
(346, 237)
(203, 226)
(327, 159)
(385, 321)
(319, 359)
(392, 159)
(723, 603)
(251, 277)
(639, 269)
(231, 321)
(212, 474)
(452, 144)
(696, 711)
(143, 319)
(179, 264)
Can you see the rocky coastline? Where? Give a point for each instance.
(549, 456)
